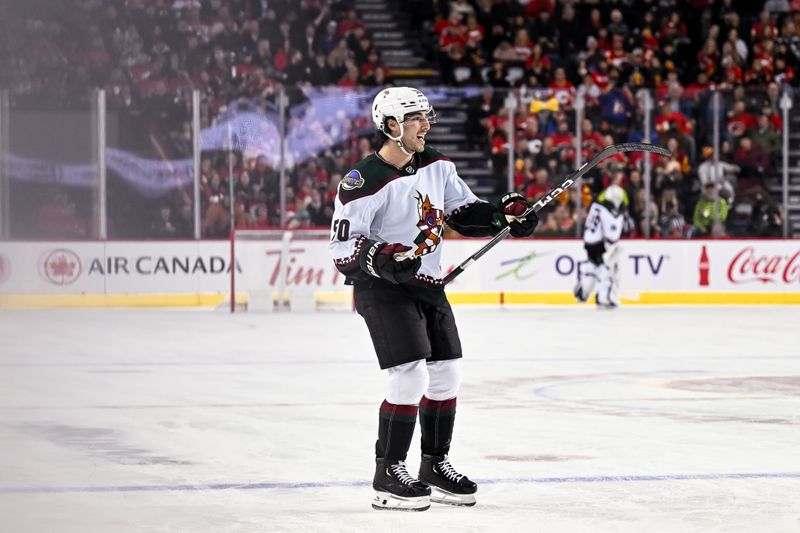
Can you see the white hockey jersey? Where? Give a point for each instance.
(380, 202)
(602, 224)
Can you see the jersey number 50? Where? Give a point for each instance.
(341, 229)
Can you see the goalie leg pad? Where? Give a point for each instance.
(586, 282)
(606, 293)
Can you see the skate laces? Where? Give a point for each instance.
(447, 469)
(399, 470)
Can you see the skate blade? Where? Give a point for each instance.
(384, 501)
(607, 307)
(448, 498)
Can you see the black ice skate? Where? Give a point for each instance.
(447, 485)
(396, 490)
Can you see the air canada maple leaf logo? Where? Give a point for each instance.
(61, 267)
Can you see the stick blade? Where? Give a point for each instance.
(639, 147)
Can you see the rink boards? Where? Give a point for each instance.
(526, 271)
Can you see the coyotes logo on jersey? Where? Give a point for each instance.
(431, 225)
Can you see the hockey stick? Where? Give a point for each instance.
(608, 151)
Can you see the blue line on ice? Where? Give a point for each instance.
(293, 485)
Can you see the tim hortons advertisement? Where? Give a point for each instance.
(529, 265)
(304, 264)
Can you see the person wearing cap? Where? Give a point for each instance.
(710, 213)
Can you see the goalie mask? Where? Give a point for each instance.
(615, 196)
(396, 103)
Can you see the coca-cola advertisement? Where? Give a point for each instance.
(754, 265)
(742, 266)
(704, 267)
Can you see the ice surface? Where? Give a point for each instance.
(571, 419)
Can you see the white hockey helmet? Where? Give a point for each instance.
(396, 103)
(614, 195)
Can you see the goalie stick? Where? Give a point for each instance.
(608, 151)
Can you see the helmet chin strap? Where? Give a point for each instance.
(397, 139)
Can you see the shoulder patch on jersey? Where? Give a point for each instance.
(352, 180)
(367, 177)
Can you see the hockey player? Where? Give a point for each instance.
(386, 238)
(600, 238)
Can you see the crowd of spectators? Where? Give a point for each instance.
(607, 55)
(150, 54)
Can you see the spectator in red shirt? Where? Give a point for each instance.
(695, 90)
(522, 44)
(668, 120)
(538, 64)
(475, 34)
(453, 34)
(535, 6)
(708, 58)
(350, 22)
(524, 173)
(563, 138)
(674, 29)
(650, 41)
(739, 120)
(617, 56)
(774, 118)
(764, 28)
(537, 186)
(562, 88)
(753, 161)
(592, 140)
(453, 20)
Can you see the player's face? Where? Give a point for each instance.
(415, 127)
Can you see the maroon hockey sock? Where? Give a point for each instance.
(395, 429)
(436, 419)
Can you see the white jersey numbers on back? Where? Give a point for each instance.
(602, 224)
